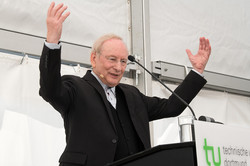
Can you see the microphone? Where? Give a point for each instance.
(208, 119)
(132, 59)
(101, 75)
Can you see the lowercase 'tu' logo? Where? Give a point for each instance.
(211, 148)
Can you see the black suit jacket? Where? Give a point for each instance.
(91, 135)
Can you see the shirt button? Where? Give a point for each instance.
(114, 141)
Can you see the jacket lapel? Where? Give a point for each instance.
(95, 84)
(129, 101)
(139, 125)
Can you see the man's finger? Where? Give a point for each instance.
(55, 9)
(60, 11)
(202, 43)
(189, 53)
(208, 46)
(64, 16)
(50, 8)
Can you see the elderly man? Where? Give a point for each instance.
(105, 120)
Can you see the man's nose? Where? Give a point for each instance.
(118, 66)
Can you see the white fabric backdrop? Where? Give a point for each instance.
(227, 108)
(31, 132)
(177, 25)
(88, 20)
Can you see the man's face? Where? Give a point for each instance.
(111, 63)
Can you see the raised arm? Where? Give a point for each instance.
(55, 17)
(52, 88)
(200, 60)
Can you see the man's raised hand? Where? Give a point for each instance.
(55, 19)
(199, 60)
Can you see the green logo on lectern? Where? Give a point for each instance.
(211, 149)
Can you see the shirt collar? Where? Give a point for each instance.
(104, 86)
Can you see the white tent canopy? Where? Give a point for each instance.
(177, 25)
(87, 21)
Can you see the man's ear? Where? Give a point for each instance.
(93, 59)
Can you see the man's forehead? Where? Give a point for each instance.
(114, 43)
(114, 46)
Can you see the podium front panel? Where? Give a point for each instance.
(222, 145)
(163, 155)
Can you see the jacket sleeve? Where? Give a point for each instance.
(52, 89)
(161, 108)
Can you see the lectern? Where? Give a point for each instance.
(180, 154)
(215, 144)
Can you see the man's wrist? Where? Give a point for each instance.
(198, 72)
(52, 46)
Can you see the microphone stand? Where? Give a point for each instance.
(132, 59)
